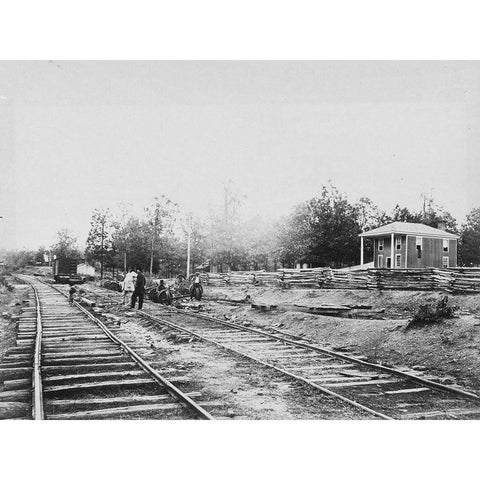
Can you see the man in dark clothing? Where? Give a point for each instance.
(139, 291)
(71, 293)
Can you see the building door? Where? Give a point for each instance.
(380, 261)
(389, 262)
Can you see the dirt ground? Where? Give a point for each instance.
(10, 304)
(449, 350)
(231, 386)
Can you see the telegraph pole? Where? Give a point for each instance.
(101, 250)
(189, 235)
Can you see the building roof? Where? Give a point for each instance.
(406, 228)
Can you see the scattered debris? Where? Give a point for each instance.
(428, 314)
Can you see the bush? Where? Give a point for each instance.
(428, 314)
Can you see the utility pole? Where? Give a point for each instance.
(155, 222)
(189, 235)
(151, 253)
(101, 249)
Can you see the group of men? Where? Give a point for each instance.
(133, 288)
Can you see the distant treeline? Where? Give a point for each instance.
(322, 231)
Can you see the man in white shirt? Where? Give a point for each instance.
(128, 286)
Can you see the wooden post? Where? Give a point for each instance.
(189, 234)
(151, 252)
(392, 252)
(361, 251)
(101, 250)
(188, 255)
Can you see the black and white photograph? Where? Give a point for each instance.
(256, 252)
(240, 240)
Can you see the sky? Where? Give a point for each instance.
(80, 135)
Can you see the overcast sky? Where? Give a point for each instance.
(75, 136)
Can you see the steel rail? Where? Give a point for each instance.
(37, 397)
(393, 371)
(432, 384)
(269, 365)
(201, 412)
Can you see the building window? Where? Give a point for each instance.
(445, 246)
(380, 245)
(398, 260)
(445, 262)
(380, 261)
(419, 241)
(398, 243)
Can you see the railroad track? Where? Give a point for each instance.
(380, 391)
(68, 365)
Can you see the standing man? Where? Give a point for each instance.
(71, 293)
(128, 286)
(196, 285)
(139, 289)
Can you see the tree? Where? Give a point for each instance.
(16, 260)
(291, 241)
(323, 231)
(40, 255)
(403, 214)
(225, 245)
(198, 241)
(131, 238)
(99, 241)
(160, 217)
(334, 229)
(258, 234)
(469, 247)
(369, 216)
(66, 245)
(435, 215)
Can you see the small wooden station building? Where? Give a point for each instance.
(415, 245)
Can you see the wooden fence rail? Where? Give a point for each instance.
(453, 280)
